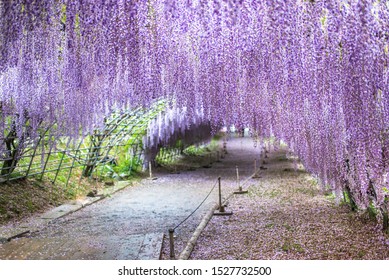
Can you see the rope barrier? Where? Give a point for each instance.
(183, 221)
(171, 230)
(191, 243)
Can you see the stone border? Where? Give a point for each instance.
(8, 233)
(185, 254)
(192, 242)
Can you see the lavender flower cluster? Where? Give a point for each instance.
(312, 73)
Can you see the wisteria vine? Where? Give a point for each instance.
(312, 73)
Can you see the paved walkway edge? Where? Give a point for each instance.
(58, 212)
(185, 254)
(192, 242)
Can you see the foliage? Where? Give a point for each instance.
(194, 150)
(22, 198)
(312, 73)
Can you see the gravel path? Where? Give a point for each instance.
(156, 205)
(284, 215)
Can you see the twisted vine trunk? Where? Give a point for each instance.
(13, 152)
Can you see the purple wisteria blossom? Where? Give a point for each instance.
(312, 73)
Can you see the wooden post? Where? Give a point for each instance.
(237, 179)
(171, 239)
(240, 190)
(150, 171)
(221, 207)
(256, 176)
(222, 211)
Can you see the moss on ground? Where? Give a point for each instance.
(22, 198)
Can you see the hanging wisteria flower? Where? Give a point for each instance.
(312, 73)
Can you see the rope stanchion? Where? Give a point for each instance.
(151, 173)
(237, 178)
(217, 210)
(171, 241)
(211, 212)
(240, 190)
(221, 211)
(262, 167)
(256, 175)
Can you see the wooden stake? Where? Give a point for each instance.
(171, 240)
(222, 211)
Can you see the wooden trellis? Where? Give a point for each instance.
(48, 155)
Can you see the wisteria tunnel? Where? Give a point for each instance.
(107, 90)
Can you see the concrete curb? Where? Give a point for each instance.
(192, 242)
(7, 234)
(185, 254)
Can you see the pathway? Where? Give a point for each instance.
(130, 224)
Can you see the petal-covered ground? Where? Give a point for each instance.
(286, 216)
